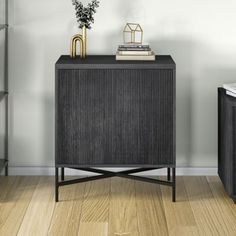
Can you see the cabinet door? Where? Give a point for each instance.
(115, 117)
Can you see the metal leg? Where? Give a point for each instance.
(168, 174)
(56, 185)
(6, 170)
(62, 174)
(173, 185)
(106, 174)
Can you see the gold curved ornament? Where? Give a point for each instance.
(82, 38)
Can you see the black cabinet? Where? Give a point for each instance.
(227, 141)
(114, 113)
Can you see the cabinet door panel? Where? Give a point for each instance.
(115, 117)
(84, 109)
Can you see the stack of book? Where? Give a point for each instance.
(230, 89)
(135, 52)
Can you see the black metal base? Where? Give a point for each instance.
(106, 174)
(234, 199)
(6, 170)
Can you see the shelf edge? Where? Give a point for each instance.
(3, 26)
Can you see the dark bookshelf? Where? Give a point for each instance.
(4, 92)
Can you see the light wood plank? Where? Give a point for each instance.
(67, 212)
(122, 213)
(220, 195)
(131, 208)
(93, 229)
(225, 204)
(39, 213)
(150, 210)
(6, 184)
(96, 201)
(179, 215)
(16, 204)
(95, 208)
(205, 208)
(8, 199)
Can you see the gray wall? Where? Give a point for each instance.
(200, 35)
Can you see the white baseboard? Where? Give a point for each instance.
(47, 171)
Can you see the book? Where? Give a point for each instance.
(134, 46)
(120, 57)
(134, 49)
(134, 52)
(230, 93)
(230, 87)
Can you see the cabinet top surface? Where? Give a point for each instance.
(109, 62)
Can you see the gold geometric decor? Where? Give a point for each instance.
(133, 34)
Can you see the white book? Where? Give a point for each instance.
(145, 53)
(120, 57)
(230, 93)
(230, 87)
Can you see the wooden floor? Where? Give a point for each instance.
(115, 206)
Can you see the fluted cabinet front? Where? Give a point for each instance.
(115, 116)
(227, 141)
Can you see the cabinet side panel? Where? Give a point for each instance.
(234, 152)
(225, 140)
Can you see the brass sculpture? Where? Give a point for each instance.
(82, 38)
